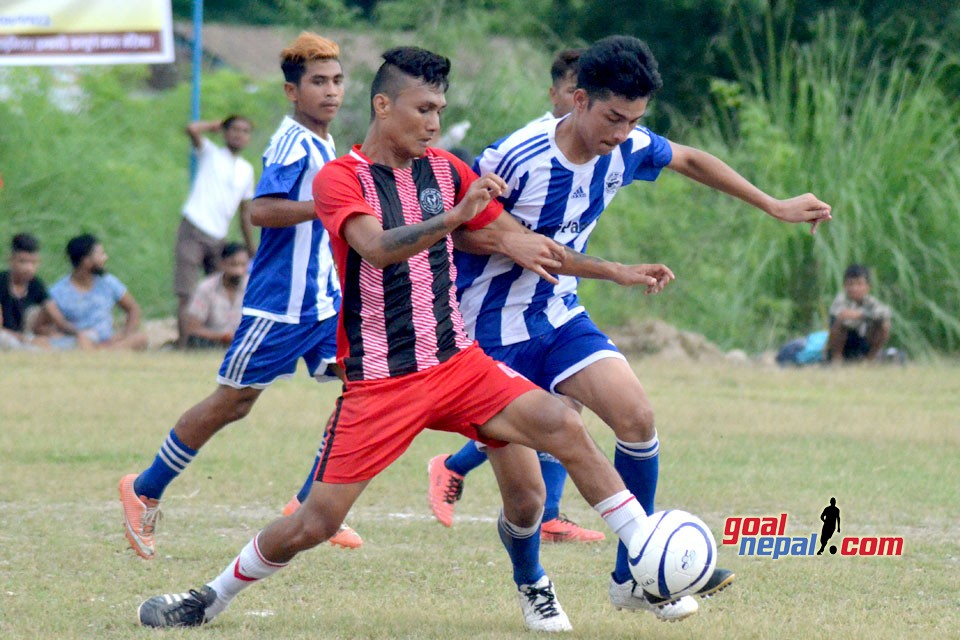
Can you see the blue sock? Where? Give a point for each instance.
(555, 477)
(173, 457)
(305, 489)
(467, 459)
(639, 465)
(523, 546)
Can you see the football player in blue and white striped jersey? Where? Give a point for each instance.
(560, 176)
(443, 492)
(293, 296)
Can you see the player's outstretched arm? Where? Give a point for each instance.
(506, 236)
(383, 247)
(267, 211)
(715, 173)
(652, 276)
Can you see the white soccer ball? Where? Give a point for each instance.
(673, 555)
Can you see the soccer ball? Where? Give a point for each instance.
(674, 555)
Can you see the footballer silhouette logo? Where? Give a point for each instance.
(766, 536)
(830, 517)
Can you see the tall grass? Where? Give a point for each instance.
(872, 135)
(879, 139)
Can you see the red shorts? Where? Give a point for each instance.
(376, 420)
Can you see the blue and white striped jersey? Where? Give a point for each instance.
(293, 279)
(504, 304)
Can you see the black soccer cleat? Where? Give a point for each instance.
(720, 580)
(177, 609)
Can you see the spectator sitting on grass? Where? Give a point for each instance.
(86, 298)
(217, 304)
(859, 323)
(22, 296)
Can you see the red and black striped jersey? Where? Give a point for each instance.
(402, 318)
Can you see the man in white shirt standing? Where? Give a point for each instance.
(222, 184)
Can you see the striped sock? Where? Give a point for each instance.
(248, 567)
(639, 465)
(523, 546)
(622, 513)
(173, 458)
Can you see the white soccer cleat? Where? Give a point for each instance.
(632, 597)
(541, 609)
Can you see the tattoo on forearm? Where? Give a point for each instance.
(405, 237)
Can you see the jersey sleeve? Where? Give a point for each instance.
(467, 177)
(337, 196)
(648, 159)
(281, 180)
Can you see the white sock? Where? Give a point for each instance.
(623, 514)
(247, 568)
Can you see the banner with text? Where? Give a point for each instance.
(68, 32)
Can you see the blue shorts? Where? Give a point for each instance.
(550, 358)
(264, 350)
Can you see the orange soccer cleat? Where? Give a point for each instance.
(140, 515)
(446, 488)
(562, 529)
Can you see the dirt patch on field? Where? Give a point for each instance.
(657, 338)
(160, 332)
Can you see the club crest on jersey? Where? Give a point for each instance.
(613, 181)
(431, 201)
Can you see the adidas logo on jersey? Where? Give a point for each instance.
(579, 193)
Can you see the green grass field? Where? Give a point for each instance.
(746, 440)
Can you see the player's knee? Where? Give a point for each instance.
(636, 424)
(314, 528)
(235, 404)
(241, 408)
(562, 422)
(562, 433)
(522, 505)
